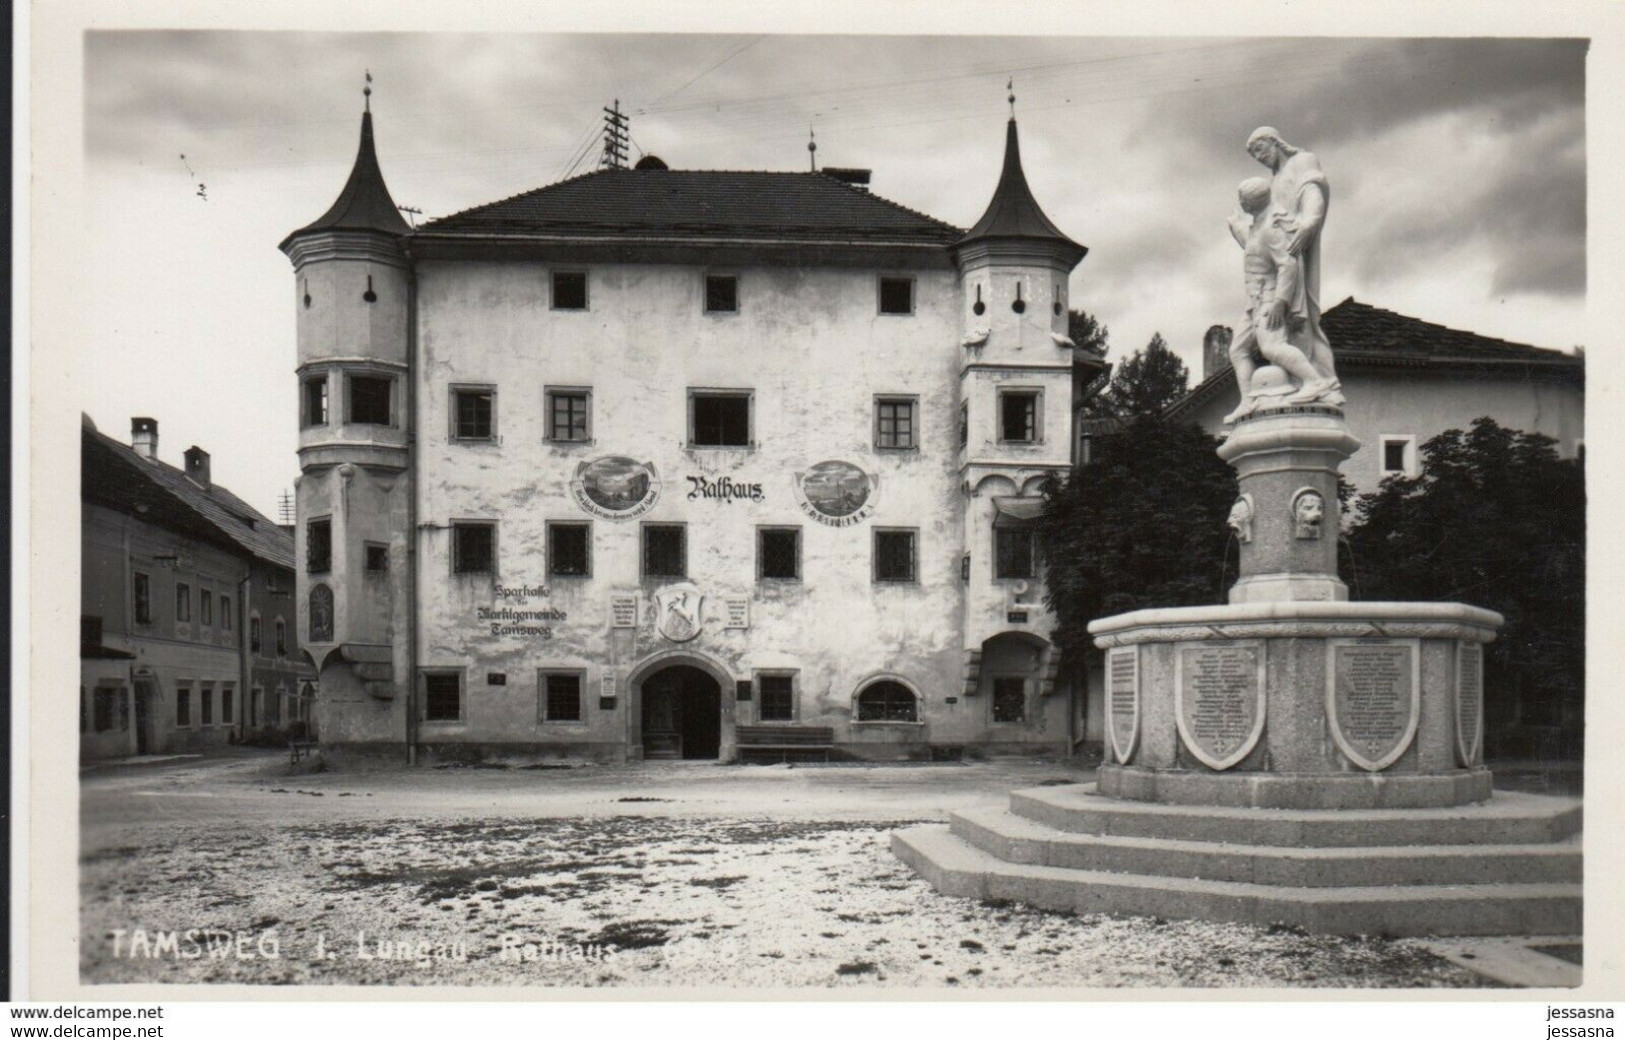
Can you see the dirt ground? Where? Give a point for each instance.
(749, 877)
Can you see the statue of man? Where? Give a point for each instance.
(1299, 195)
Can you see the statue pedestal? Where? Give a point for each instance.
(1287, 757)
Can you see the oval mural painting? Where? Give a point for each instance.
(615, 487)
(837, 493)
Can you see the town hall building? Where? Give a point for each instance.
(657, 463)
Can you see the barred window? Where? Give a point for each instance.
(473, 548)
(894, 422)
(897, 296)
(568, 554)
(887, 701)
(665, 551)
(777, 698)
(1009, 699)
(318, 546)
(567, 415)
(778, 553)
(442, 697)
(894, 556)
(563, 697)
(473, 414)
(1013, 552)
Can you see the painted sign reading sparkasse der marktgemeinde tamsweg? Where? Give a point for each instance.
(516, 617)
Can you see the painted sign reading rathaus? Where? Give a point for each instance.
(837, 494)
(614, 487)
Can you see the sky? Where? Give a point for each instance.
(1457, 172)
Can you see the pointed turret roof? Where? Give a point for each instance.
(365, 203)
(1014, 213)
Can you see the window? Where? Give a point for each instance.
(183, 706)
(318, 546)
(377, 558)
(183, 602)
(254, 638)
(1013, 555)
(143, 599)
(897, 296)
(442, 697)
(721, 294)
(719, 420)
(225, 613)
(568, 550)
(561, 696)
(894, 422)
(964, 423)
(205, 703)
(1399, 455)
(315, 401)
(568, 416)
(569, 290)
(776, 700)
(473, 548)
(1009, 699)
(1018, 417)
(205, 607)
(226, 698)
(894, 555)
(665, 551)
(370, 400)
(473, 414)
(778, 553)
(887, 701)
(106, 707)
(281, 638)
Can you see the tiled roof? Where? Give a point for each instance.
(115, 475)
(1364, 336)
(700, 204)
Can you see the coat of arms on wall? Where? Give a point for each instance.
(678, 612)
(837, 493)
(615, 487)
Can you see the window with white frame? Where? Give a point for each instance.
(1398, 454)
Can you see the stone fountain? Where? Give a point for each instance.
(1289, 756)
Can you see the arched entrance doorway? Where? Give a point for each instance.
(682, 714)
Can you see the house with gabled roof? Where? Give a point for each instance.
(186, 620)
(1408, 380)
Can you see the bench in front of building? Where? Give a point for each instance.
(778, 743)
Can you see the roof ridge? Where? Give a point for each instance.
(911, 211)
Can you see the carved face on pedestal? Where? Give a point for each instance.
(1308, 510)
(1241, 519)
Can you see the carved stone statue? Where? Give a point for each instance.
(1279, 233)
(1241, 519)
(1308, 511)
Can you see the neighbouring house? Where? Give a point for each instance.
(666, 463)
(187, 636)
(1409, 380)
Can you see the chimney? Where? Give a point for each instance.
(144, 437)
(848, 175)
(1215, 350)
(197, 466)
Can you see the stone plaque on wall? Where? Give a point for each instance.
(1469, 700)
(623, 611)
(1219, 699)
(1123, 700)
(738, 612)
(1373, 698)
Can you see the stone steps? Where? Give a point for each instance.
(1508, 866)
(1016, 839)
(956, 867)
(1507, 819)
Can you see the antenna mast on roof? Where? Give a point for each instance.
(812, 149)
(615, 138)
(284, 508)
